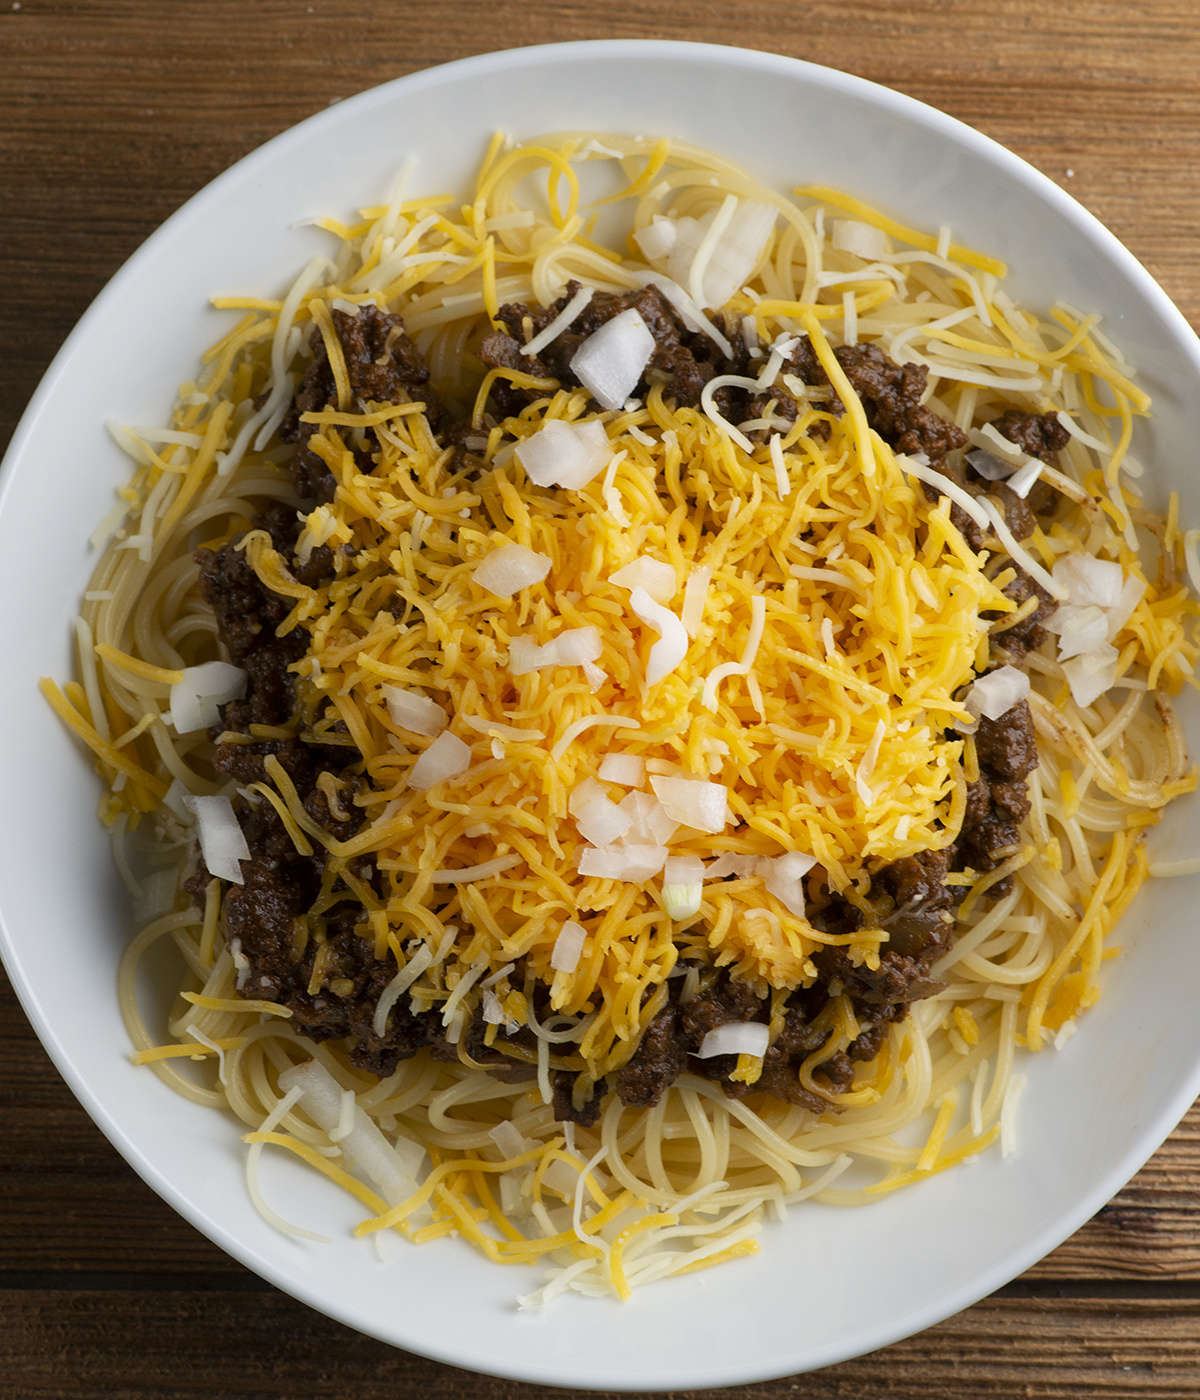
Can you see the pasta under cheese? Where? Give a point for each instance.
(773, 619)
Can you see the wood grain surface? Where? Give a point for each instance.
(111, 115)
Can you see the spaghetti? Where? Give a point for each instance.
(664, 726)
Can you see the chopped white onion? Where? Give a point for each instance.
(732, 864)
(195, 699)
(863, 240)
(657, 239)
(636, 864)
(1133, 590)
(683, 870)
(682, 901)
(364, 1145)
(993, 695)
(1021, 482)
(222, 843)
(602, 822)
(736, 1038)
(990, 467)
(158, 895)
(493, 1015)
(610, 361)
(657, 578)
(784, 877)
(446, 757)
(652, 825)
(583, 794)
(694, 802)
(729, 260)
(1091, 674)
(565, 454)
(1089, 580)
(627, 769)
(511, 1141)
(1079, 629)
(510, 568)
(174, 801)
(672, 644)
(568, 947)
(413, 711)
(571, 648)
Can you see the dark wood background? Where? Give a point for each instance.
(113, 112)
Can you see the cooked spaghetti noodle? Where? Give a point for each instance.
(746, 619)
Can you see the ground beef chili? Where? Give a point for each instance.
(278, 944)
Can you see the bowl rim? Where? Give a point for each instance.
(1150, 1136)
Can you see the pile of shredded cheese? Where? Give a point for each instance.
(734, 649)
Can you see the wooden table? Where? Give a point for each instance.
(115, 111)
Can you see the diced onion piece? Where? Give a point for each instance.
(602, 822)
(1091, 674)
(657, 239)
(695, 595)
(594, 675)
(627, 769)
(175, 801)
(730, 262)
(568, 947)
(636, 864)
(222, 843)
(989, 466)
(575, 646)
(158, 895)
(364, 1145)
(446, 757)
(1089, 580)
(511, 1141)
(736, 1038)
(672, 645)
(610, 361)
(1021, 482)
(657, 578)
(1132, 592)
(582, 794)
(732, 864)
(195, 699)
(493, 1015)
(571, 648)
(683, 870)
(694, 802)
(863, 240)
(510, 568)
(683, 886)
(784, 878)
(565, 454)
(652, 824)
(682, 901)
(996, 693)
(413, 711)
(1079, 629)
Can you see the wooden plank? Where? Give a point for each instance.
(155, 1346)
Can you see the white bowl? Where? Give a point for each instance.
(828, 1284)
